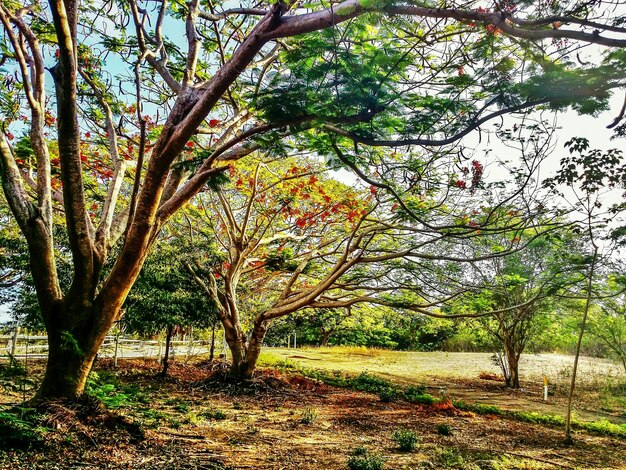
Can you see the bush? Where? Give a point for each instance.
(387, 395)
(422, 399)
(368, 383)
(217, 415)
(444, 429)
(406, 439)
(366, 461)
(415, 390)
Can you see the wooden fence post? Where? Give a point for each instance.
(13, 348)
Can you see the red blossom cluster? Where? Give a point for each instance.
(477, 173)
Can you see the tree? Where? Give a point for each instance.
(523, 289)
(164, 298)
(97, 118)
(588, 172)
(282, 236)
(608, 325)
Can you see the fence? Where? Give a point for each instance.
(114, 346)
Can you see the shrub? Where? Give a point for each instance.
(444, 429)
(387, 395)
(366, 461)
(368, 383)
(406, 439)
(415, 390)
(217, 415)
(422, 399)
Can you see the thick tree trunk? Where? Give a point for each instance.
(166, 356)
(245, 354)
(73, 342)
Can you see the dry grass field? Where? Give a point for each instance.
(457, 374)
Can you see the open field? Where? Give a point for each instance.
(457, 374)
(195, 420)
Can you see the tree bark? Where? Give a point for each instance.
(212, 349)
(73, 342)
(513, 359)
(325, 337)
(166, 356)
(245, 354)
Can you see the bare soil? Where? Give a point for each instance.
(195, 419)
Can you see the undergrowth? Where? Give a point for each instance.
(388, 391)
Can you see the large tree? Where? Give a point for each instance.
(226, 56)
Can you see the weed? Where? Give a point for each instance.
(366, 461)
(406, 439)
(444, 429)
(415, 390)
(448, 458)
(182, 407)
(360, 450)
(387, 395)
(217, 415)
(309, 416)
(422, 399)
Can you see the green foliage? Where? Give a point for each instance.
(602, 427)
(444, 429)
(308, 416)
(69, 343)
(19, 429)
(165, 294)
(406, 439)
(422, 399)
(365, 461)
(217, 415)
(106, 389)
(387, 395)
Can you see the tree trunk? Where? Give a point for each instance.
(73, 343)
(166, 356)
(325, 337)
(512, 357)
(212, 349)
(245, 356)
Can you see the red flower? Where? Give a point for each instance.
(87, 135)
(213, 122)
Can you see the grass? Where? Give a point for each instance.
(385, 388)
(412, 365)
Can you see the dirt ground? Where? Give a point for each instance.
(456, 374)
(289, 422)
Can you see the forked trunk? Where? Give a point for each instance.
(245, 354)
(512, 358)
